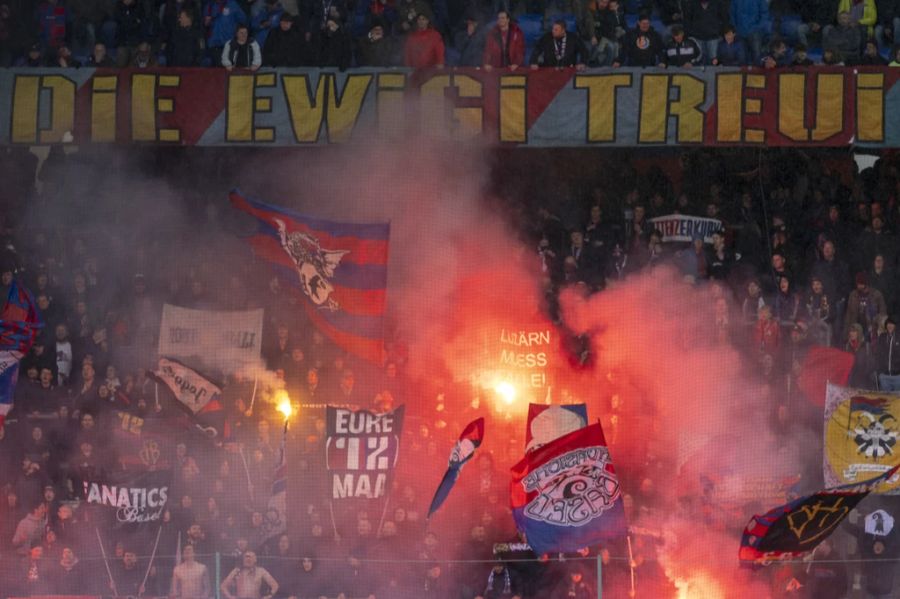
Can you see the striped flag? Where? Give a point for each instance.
(19, 325)
(339, 268)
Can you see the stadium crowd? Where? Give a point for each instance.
(437, 33)
(807, 255)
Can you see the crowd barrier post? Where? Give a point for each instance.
(218, 575)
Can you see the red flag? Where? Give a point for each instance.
(823, 365)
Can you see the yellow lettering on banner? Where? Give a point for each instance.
(468, 122)
(145, 105)
(870, 107)
(791, 106)
(730, 107)
(143, 113)
(103, 108)
(513, 109)
(686, 109)
(389, 101)
(62, 108)
(829, 111)
(435, 116)
(653, 115)
(26, 109)
(829, 106)
(24, 123)
(306, 111)
(601, 108)
(344, 107)
(239, 115)
(755, 106)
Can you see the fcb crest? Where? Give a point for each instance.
(861, 431)
(315, 265)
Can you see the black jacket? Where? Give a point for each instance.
(285, 48)
(705, 22)
(887, 353)
(570, 48)
(642, 49)
(184, 47)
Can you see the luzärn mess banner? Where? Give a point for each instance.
(544, 107)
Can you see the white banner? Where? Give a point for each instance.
(681, 227)
(226, 341)
(188, 386)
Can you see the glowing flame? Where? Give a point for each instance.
(698, 586)
(506, 392)
(284, 404)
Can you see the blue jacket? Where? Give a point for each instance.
(750, 16)
(733, 55)
(226, 16)
(272, 16)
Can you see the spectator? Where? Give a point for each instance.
(469, 42)
(682, 51)
(731, 51)
(895, 56)
(642, 46)
(845, 39)
(703, 22)
(375, 49)
(185, 43)
(818, 312)
(129, 17)
(882, 278)
(863, 15)
(559, 48)
(814, 17)
(286, 45)
(751, 21)
(887, 356)
(777, 56)
(190, 579)
(249, 580)
(143, 56)
(864, 306)
(99, 58)
(64, 58)
(53, 21)
(504, 44)
(605, 27)
(266, 20)
(888, 23)
(333, 47)
(68, 577)
(221, 19)
(767, 333)
(800, 57)
(242, 51)
(424, 46)
(87, 17)
(30, 529)
(871, 57)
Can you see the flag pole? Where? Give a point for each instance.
(247, 471)
(599, 576)
(253, 395)
(112, 581)
(631, 565)
(150, 565)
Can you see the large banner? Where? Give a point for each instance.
(225, 341)
(861, 430)
(138, 499)
(808, 106)
(361, 451)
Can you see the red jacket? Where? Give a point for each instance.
(424, 49)
(493, 47)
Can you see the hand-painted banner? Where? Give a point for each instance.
(361, 451)
(681, 227)
(809, 106)
(861, 430)
(137, 500)
(225, 341)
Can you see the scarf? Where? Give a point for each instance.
(507, 585)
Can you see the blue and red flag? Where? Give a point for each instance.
(19, 325)
(797, 527)
(340, 268)
(463, 450)
(566, 496)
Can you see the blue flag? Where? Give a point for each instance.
(461, 453)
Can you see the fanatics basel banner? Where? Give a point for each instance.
(820, 106)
